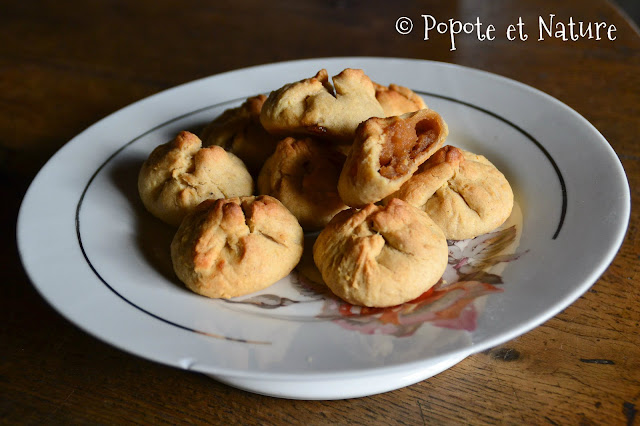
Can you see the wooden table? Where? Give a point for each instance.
(65, 65)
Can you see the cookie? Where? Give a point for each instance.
(238, 130)
(236, 246)
(311, 107)
(386, 152)
(398, 100)
(462, 192)
(180, 174)
(303, 174)
(381, 256)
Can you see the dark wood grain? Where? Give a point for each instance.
(65, 65)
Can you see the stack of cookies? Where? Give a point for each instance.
(362, 163)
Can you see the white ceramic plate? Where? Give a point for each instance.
(102, 261)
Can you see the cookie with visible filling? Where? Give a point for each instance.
(381, 256)
(180, 174)
(398, 100)
(303, 174)
(232, 247)
(386, 152)
(464, 193)
(238, 130)
(315, 107)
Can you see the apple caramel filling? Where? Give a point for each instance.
(403, 142)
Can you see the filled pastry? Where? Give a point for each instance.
(232, 247)
(303, 174)
(180, 174)
(316, 107)
(386, 152)
(398, 100)
(462, 192)
(381, 256)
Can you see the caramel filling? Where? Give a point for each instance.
(403, 142)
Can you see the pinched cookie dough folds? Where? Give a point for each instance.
(398, 100)
(311, 107)
(386, 152)
(462, 192)
(232, 247)
(381, 256)
(238, 130)
(180, 174)
(303, 175)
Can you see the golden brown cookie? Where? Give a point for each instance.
(462, 192)
(180, 174)
(398, 100)
(381, 256)
(236, 246)
(238, 130)
(311, 107)
(303, 175)
(386, 152)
